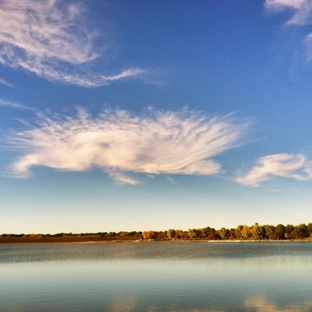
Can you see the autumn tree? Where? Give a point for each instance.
(288, 230)
(232, 234)
(162, 235)
(206, 231)
(213, 236)
(280, 231)
(171, 233)
(238, 231)
(300, 231)
(309, 226)
(149, 234)
(245, 232)
(179, 234)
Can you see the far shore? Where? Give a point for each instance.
(91, 240)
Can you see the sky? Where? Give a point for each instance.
(150, 115)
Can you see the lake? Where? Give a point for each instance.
(156, 276)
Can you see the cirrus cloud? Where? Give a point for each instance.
(5, 83)
(51, 39)
(302, 10)
(302, 15)
(181, 142)
(294, 166)
(13, 105)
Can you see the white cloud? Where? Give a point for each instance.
(3, 82)
(180, 142)
(12, 104)
(293, 166)
(302, 10)
(281, 4)
(50, 38)
(121, 178)
(302, 15)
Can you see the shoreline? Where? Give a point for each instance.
(20, 242)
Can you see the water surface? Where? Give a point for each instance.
(156, 277)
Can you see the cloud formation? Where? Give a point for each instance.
(50, 38)
(302, 10)
(294, 166)
(180, 142)
(302, 15)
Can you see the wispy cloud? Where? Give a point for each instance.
(3, 82)
(302, 10)
(302, 15)
(180, 142)
(51, 39)
(12, 104)
(294, 166)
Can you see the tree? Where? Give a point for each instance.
(213, 236)
(232, 234)
(280, 231)
(257, 232)
(269, 231)
(300, 231)
(149, 235)
(245, 232)
(309, 226)
(162, 235)
(206, 231)
(179, 234)
(288, 230)
(238, 231)
(192, 233)
(171, 233)
(224, 233)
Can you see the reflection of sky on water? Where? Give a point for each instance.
(251, 284)
(262, 304)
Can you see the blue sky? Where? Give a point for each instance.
(120, 115)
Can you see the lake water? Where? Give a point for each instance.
(158, 276)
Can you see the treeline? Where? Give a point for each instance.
(73, 235)
(241, 232)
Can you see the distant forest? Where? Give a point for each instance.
(241, 232)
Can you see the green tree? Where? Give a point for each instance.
(193, 233)
(269, 231)
(257, 232)
(224, 233)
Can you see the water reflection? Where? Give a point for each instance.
(116, 278)
(261, 304)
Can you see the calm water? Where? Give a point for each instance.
(152, 277)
